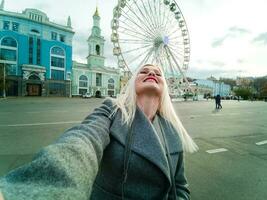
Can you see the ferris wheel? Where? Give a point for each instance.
(151, 31)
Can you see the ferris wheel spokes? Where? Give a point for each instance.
(134, 41)
(141, 36)
(144, 61)
(181, 71)
(146, 52)
(139, 27)
(148, 21)
(131, 50)
(148, 14)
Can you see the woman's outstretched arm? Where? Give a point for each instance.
(67, 168)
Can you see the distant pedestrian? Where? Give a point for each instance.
(218, 102)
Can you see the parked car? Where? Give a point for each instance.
(87, 95)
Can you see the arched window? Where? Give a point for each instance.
(83, 81)
(58, 51)
(9, 41)
(35, 31)
(57, 58)
(97, 49)
(8, 54)
(111, 87)
(83, 84)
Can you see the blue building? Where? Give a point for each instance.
(35, 54)
(213, 87)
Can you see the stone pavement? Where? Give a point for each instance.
(236, 169)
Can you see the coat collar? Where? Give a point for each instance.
(145, 140)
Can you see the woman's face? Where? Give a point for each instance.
(149, 81)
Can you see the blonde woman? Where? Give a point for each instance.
(128, 148)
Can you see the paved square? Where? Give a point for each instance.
(238, 172)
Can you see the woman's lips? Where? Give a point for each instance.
(151, 78)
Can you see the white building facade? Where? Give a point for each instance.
(94, 77)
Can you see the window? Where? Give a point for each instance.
(8, 53)
(111, 88)
(11, 69)
(38, 51)
(8, 49)
(98, 79)
(62, 38)
(57, 57)
(57, 89)
(97, 48)
(53, 35)
(57, 62)
(83, 81)
(15, 26)
(8, 41)
(35, 31)
(6, 25)
(31, 50)
(111, 84)
(58, 51)
(57, 75)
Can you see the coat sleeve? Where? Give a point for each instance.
(67, 168)
(181, 184)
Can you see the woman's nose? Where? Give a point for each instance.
(151, 73)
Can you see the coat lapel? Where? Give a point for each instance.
(145, 141)
(171, 135)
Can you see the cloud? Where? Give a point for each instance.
(219, 41)
(43, 6)
(238, 30)
(216, 72)
(217, 63)
(232, 32)
(261, 38)
(214, 63)
(80, 46)
(240, 61)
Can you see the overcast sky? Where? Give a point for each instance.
(228, 37)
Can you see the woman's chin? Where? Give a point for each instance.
(151, 90)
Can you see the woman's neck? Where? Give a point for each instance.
(149, 105)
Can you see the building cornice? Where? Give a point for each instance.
(45, 22)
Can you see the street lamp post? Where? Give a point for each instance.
(4, 80)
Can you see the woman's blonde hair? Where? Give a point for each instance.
(126, 102)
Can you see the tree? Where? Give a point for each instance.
(260, 86)
(263, 91)
(228, 81)
(245, 93)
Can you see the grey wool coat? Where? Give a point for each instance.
(86, 162)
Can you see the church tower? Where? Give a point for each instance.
(2, 5)
(96, 42)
